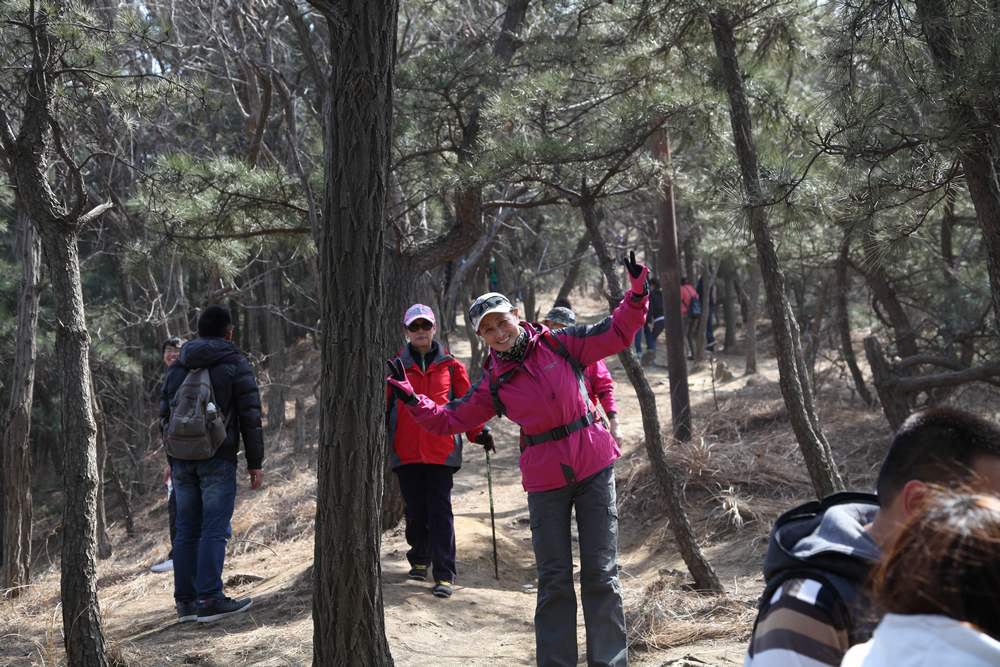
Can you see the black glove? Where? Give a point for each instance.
(637, 273)
(486, 440)
(401, 387)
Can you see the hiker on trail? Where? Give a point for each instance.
(940, 587)
(600, 384)
(424, 462)
(204, 416)
(815, 605)
(170, 351)
(690, 312)
(655, 323)
(534, 376)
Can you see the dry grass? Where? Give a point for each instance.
(666, 617)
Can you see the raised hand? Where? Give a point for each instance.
(637, 274)
(401, 387)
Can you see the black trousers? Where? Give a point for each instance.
(172, 514)
(430, 524)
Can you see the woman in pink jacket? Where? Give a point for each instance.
(535, 377)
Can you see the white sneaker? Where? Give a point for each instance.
(165, 566)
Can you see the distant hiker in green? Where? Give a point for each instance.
(424, 462)
(535, 377)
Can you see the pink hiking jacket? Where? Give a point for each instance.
(543, 394)
(600, 386)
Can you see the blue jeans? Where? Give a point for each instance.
(600, 590)
(205, 493)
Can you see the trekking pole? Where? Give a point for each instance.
(493, 522)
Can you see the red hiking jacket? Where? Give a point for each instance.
(441, 378)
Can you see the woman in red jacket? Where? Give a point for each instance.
(424, 462)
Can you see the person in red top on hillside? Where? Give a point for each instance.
(600, 385)
(424, 462)
(690, 311)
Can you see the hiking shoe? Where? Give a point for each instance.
(165, 566)
(418, 573)
(213, 610)
(442, 589)
(186, 612)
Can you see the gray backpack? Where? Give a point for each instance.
(196, 428)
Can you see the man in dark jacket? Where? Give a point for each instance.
(206, 490)
(815, 605)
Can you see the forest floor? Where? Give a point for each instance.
(741, 469)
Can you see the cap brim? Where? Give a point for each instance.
(410, 321)
(502, 308)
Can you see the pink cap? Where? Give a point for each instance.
(418, 311)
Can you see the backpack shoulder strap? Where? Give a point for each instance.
(553, 343)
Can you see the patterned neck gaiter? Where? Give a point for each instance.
(516, 352)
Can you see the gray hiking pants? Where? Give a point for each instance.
(555, 612)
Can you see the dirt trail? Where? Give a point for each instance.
(486, 622)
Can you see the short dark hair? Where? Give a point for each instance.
(173, 341)
(654, 282)
(946, 561)
(562, 303)
(936, 446)
(214, 321)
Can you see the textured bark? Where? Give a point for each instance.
(670, 279)
(78, 585)
(895, 406)
(300, 425)
(15, 455)
(104, 548)
(878, 281)
(348, 615)
(573, 272)
(974, 113)
(753, 312)
(276, 346)
(58, 226)
(701, 570)
(794, 376)
(843, 323)
(728, 274)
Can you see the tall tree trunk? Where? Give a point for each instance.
(701, 570)
(348, 615)
(878, 281)
(976, 114)
(753, 311)
(58, 226)
(795, 386)
(277, 353)
(573, 272)
(843, 322)
(728, 273)
(104, 548)
(15, 455)
(83, 636)
(670, 280)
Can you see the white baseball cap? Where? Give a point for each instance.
(491, 302)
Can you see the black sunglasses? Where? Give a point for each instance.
(419, 325)
(478, 309)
